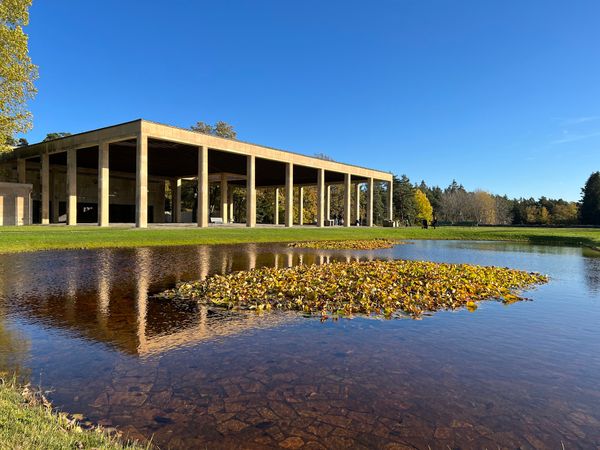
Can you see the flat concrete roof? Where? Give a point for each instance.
(172, 153)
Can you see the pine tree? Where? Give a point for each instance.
(590, 202)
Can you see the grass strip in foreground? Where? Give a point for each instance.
(27, 421)
(380, 288)
(348, 244)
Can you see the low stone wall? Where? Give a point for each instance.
(15, 203)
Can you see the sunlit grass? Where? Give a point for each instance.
(28, 422)
(31, 238)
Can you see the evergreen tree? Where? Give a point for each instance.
(590, 202)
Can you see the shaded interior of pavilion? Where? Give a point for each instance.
(173, 170)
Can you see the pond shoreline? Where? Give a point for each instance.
(44, 238)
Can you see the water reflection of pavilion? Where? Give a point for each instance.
(106, 295)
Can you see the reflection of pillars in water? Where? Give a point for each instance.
(348, 258)
(104, 275)
(276, 260)
(143, 259)
(300, 259)
(204, 261)
(290, 259)
(321, 259)
(72, 279)
(252, 256)
(202, 325)
(224, 262)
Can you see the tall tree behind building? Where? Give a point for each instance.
(17, 72)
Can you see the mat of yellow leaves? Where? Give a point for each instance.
(376, 288)
(356, 244)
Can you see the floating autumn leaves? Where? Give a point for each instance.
(357, 244)
(380, 288)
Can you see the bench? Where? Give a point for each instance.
(216, 220)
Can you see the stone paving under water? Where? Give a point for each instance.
(521, 376)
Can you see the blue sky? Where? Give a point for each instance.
(502, 95)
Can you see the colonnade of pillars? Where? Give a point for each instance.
(226, 200)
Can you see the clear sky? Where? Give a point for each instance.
(502, 95)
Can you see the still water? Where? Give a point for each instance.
(84, 324)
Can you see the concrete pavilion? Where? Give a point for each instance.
(96, 173)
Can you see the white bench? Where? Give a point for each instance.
(216, 220)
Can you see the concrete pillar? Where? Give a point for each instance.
(230, 208)
(20, 210)
(357, 206)
(141, 182)
(320, 197)
(224, 197)
(347, 199)
(300, 205)
(72, 187)
(289, 195)
(390, 201)
(203, 186)
(45, 182)
(276, 215)
(250, 191)
(328, 203)
(370, 202)
(22, 170)
(176, 200)
(103, 185)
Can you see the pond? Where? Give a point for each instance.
(526, 375)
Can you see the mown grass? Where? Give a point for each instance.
(27, 424)
(33, 238)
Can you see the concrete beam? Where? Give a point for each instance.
(103, 184)
(250, 191)
(141, 182)
(289, 195)
(174, 134)
(203, 186)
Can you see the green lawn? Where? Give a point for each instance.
(24, 425)
(32, 238)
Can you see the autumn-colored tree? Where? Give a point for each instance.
(17, 72)
(565, 213)
(544, 217)
(424, 209)
(484, 207)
